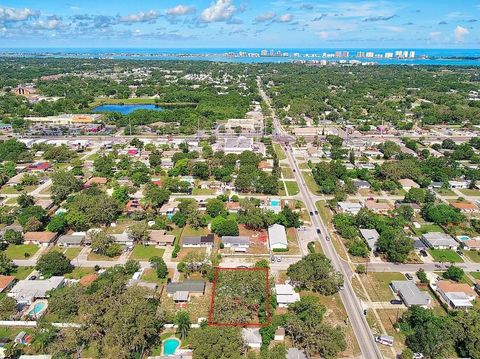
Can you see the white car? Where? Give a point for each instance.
(418, 356)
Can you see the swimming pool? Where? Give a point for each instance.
(37, 309)
(275, 202)
(463, 238)
(170, 346)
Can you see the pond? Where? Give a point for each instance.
(126, 109)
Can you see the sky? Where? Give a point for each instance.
(239, 24)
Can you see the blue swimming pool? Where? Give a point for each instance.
(37, 308)
(275, 202)
(170, 346)
(463, 238)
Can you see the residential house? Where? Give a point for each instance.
(279, 334)
(123, 239)
(169, 209)
(471, 244)
(371, 236)
(458, 184)
(39, 167)
(45, 203)
(350, 207)
(286, 295)
(361, 184)
(27, 291)
(133, 206)
(294, 353)
(466, 207)
(6, 282)
(99, 181)
(277, 237)
(233, 207)
(456, 295)
(266, 166)
(408, 184)
(198, 241)
(236, 243)
(410, 294)
(16, 180)
(416, 207)
(160, 238)
(182, 291)
(378, 207)
(35, 357)
(40, 238)
(437, 240)
(72, 240)
(252, 338)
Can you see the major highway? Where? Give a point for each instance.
(352, 305)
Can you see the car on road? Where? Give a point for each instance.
(279, 259)
(341, 287)
(316, 212)
(327, 238)
(294, 170)
(396, 301)
(319, 231)
(311, 213)
(273, 259)
(408, 276)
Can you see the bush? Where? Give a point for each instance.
(175, 251)
(280, 250)
(422, 276)
(311, 247)
(361, 269)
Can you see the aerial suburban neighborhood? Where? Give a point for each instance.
(250, 204)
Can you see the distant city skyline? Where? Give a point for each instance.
(267, 24)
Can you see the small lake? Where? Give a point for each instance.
(126, 109)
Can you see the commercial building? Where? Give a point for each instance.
(277, 238)
(67, 119)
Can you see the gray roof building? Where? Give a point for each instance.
(26, 291)
(294, 353)
(410, 294)
(236, 241)
(439, 240)
(191, 286)
(371, 237)
(71, 240)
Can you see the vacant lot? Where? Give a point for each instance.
(279, 151)
(292, 188)
(377, 285)
(287, 173)
(445, 256)
(144, 253)
(21, 251)
(474, 256)
(79, 272)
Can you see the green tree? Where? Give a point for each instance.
(139, 232)
(454, 273)
(8, 307)
(7, 266)
(64, 183)
(216, 342)
(160, 267)
(215, 207)
(395, 245)
(53, 263)
(13, 237)
(182, 320)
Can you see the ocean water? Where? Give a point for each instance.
(450, 57)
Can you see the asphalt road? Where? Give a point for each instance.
(352, 305)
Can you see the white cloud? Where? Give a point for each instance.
(267, 16)
(285, 18)
(394, 28)
(180, 10)
(50, 24)
(149, 16)
(460, 33)
(324, 35)
(220, 10)
(11, 14)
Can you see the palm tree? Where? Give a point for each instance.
(183, 324)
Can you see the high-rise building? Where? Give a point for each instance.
(369, 54)
(264, 53)
(389, 55)
(412, 54)
(272, 53)
(405, 55)
(360, 54)
(398, 53)
(338, 54)
(345, 54)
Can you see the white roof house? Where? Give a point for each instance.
(439, 240)
(286, 295)
(371, 237)
(410, 294)
(350, 207)
(26, 291)
(238, 144)
(277, 238)
(252, 337)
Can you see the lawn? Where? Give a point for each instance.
(292, 241)
(475, 275)
(150, 275)
(79, 272)
(377, 285)
(425, 228)
(22, 272)
(310, 182)
(445, 255)
(279, 151)
(72, 253)
(144, 253)
(292, 187)
(445, 192)
(304, 166)
(97, 257)
(189, 231)
(474, 256)
(471, 192)
(203, 192)
(287, 173)
(21, 251)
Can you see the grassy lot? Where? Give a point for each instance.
(144, 253)
(281, 190)
(203, 191)
(292, 188)
(22, 273)
(79, 272)
(304, 166)
(445, 192)
(310, 182)
(292, 242)
(185, 251)
(150, 275)
(445, 255)
(287, 173)
(425, 228)
(471, 192)
(389, 318)
(377, 285)
(11, 332)
(190, 231)
(97, 257)
(475, 275)
(474, 256)
(18, 251)
(12, 190)
(73, 252)
(279, 151)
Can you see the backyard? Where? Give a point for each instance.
(445, 256)
(21, 251)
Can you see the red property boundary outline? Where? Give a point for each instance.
(212, 300)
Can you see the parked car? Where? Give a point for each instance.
(319, 231)
(279, 259)
(396, 301)
(33, 277)
(408, 276)
(418, 356)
